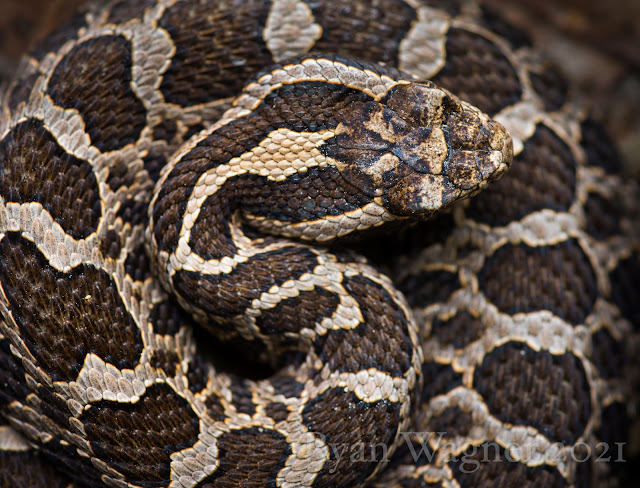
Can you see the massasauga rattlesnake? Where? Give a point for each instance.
(133, 161)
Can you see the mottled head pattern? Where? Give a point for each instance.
(419, 148)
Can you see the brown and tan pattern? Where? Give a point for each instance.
(172, 164)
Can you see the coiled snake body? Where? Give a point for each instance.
(144, 190)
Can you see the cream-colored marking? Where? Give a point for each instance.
(152, 50)
(433, 99)
(433, 150)
(193, 262)
(99, 380)
(191, 465)
(290, 29)
(369, 385)
(376, 123)
(12, 440)
(524, 443)
(541, 228)
(422, 51)
(66, 126)
(347, 314)
(36, 224)
(386, 162)
(431, 192)
(539, 330)
(309, 453)
(373, 84)
(520, 120)
(498, 161)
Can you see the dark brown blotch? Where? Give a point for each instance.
(95, 79)
(169, 209)
(427, 287)
(286, 383)
(277, 411)
(219, 47)
(34, 168)
(497, 24)
(126, 10)
(29, 469)
(155, 161)
(122, 174)
(608, 354)
(477, 71)
(403, 241)
(413, 452)
(381, 342)
(242, 398)
(249, 457)
(211, 236)
(167, 318)
(197, 373)
(550, 86)
(215, 409)
(66, 32)
(625, 289)
(546, 391)
(523, 279)
(50, 465)
(451, 7)
(134, 193)
(453, 422)
(311, 106)
(602, 215)
(12, 377)
(65, 316)
(20, 89)
(110, 244)
(363, 30)
(599, 147)
(362, 432)
(438, 379)
(614, 435)
(166, 360)
(311, 195)
(137, 264)
(138, 439)
(458, 331)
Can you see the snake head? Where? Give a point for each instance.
(419, 149)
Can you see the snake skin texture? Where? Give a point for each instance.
(169, 166)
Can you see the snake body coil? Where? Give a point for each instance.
(171, 164)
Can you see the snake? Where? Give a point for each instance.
(310, 243)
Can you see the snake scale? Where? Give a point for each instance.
(168, 166)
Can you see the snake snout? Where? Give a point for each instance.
(454, 149)
(481, 150)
